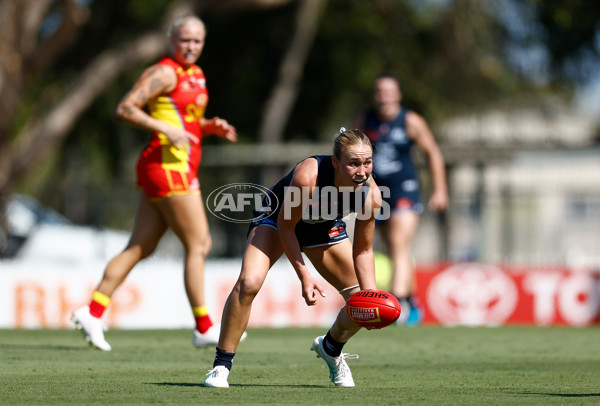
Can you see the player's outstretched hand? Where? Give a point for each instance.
(221, 128)
(311, 291)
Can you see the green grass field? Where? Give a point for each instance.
(412, 366)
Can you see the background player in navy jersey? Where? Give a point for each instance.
(393, 131)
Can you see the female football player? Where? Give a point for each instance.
(309, 219)
(175, 95)
(394, 130)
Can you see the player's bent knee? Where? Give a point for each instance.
(147, 252)
(248, 288)
(140, 251)
(200, 250)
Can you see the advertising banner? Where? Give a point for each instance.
(475, 294)
(44, 294)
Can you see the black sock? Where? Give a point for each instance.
(223, 358)
(332, 347)
(405, 305)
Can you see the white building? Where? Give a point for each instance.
(525, 188)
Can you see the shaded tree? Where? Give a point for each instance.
(34, 35)
(64, 65)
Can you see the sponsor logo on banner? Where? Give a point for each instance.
(574, 296)
(472, 295)
(364, 313)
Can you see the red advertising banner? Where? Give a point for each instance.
(476, 294)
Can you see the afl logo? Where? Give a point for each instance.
(241, 202)
(472, 295)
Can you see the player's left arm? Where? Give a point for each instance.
(419, 131)
(219, 127)
(303, 180)
(362, 246)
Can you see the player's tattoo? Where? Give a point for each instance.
(156, 84)
(152, 70)
(141, 97)
(127, 110)
(151, 84)
(143, 120)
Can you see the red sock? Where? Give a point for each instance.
(203, 321)
(99, 303)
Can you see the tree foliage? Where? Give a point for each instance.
(65, 64)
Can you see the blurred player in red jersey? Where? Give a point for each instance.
(169, 100)
(394, 130)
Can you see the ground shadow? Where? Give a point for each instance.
(235, 385)
(46, 347)
(562, 395)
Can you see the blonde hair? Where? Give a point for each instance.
(181, 21)
(346, 138)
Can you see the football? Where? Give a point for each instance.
(373, 308)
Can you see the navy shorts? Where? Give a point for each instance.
(400, 195)
(311, 235)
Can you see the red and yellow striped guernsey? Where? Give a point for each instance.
(162, 169)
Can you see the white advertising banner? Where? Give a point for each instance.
(44, 294)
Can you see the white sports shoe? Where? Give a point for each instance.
(92, 328)
(211, 337)
(217, 377)
(339, 372)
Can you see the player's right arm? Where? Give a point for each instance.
(418, 130)
(156, 80)
(305, 176)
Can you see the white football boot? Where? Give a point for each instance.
(217, 377)
(211, 337)
(339, 372)
(92, 328)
